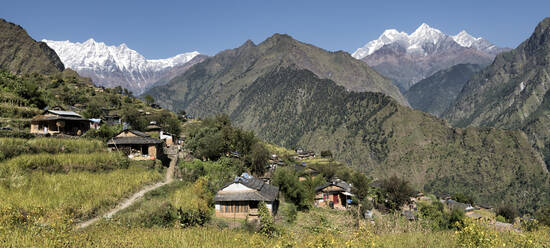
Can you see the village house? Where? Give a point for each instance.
(305, 171)
(333, 195)
(137, 145)
(59, 122)
(304, 154)
(240, 198)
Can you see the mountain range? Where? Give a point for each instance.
(512, 93)
(295, 94)
(407, 59)
(112, 66)
(214, 85)
(273, 89)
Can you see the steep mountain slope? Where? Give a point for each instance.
(176, 71)
(215, 84)
(436, 93)
(407, 59)
(112, 66)
(513, 92)
(21, 54)
(372, 132)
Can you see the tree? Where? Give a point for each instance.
(207, 143)
(149, 99)
(173, 126)
(134, 119)
(464, 198)
(293, 190)
(361, 185)
(258, 158)
(396, 192)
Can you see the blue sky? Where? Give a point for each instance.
(159, 29)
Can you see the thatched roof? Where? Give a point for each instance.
(261, 191)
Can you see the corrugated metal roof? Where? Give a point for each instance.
(64, 113)
(264, 191)
(133, 141)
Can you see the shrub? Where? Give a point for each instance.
(289, 212)
(267, 227)
(508, 212)
(477, 235)
(543, 215)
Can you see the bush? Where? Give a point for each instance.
(508, 212)
(543, 215)
(267, 227)
(192, 217)
(289, 212)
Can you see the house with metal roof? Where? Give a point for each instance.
(336, 194)
(240, 198)
(136, 145)
(58, 122)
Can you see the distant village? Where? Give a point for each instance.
(239, 198)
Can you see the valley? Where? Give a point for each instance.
(414, 140)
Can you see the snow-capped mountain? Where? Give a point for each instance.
(409, 58)
(423, 35)
(113, 66)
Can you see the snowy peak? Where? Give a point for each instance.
(115, 65)
(424, 34)
(92, 54)
(416, 41)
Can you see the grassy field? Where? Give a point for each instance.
(12, 147)
(79, 194)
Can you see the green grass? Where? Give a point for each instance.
(79, 194)
(11, 147)
(57, 163)
(158, 207)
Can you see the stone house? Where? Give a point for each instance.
(240, 198)
(136, 145)
(59, 122)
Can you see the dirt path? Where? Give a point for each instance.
(132, 199)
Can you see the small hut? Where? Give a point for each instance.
(136, 145)
(240, 198)
(59, 122)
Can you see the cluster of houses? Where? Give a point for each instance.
(238, 199)
(137, 145)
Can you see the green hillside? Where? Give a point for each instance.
(436, 93)
(216, 84)
(512, 93)
(20, 54)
